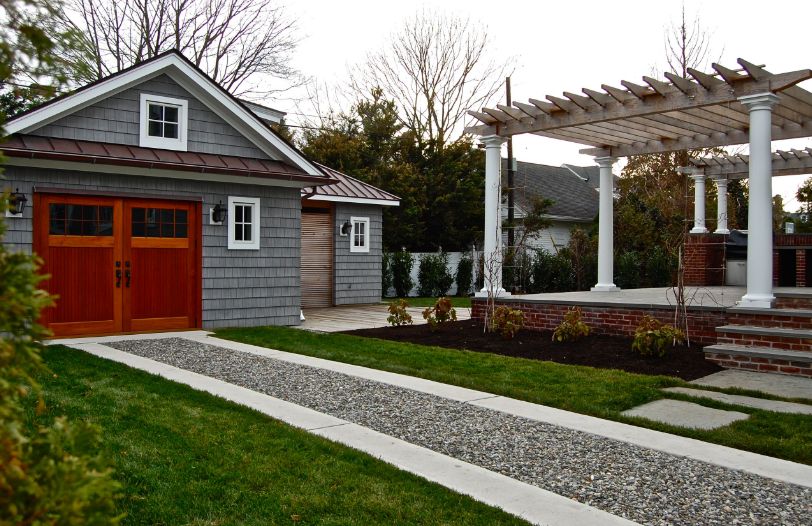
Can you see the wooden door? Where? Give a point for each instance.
(317, 258)
(160, 267)
(119, 265)
(79, 239)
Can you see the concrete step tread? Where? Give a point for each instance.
(802, 292)
(799, 313)
(766, 331)
(745, 401)
(762, 352)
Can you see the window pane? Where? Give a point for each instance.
(167, 230)
(167, 215)
(180, 230)
(57, 226)
(155, 112)
(155, 129)
(139, 215)
(89, 213)
(171, 131)
(153, 230)
(238, 213)
(152, 215)
(180, 216)
(88, 228)
(247, 235)
(138, 230)
(171, 114)
(247, 213)
(106, 214)
(74, 227)
(105, 228)
(74, 212)
(57, 211)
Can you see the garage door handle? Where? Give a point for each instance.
(127, 274)
(118, 274)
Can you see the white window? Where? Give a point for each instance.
(359, 235)
(163, 122)
(243, 223)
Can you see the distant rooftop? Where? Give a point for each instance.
(264, 112)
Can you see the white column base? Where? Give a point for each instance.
(757, 301)
(499, 293)
(605, 288)
(699, 230)
(724, 231)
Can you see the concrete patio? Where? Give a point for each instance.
(352, 317)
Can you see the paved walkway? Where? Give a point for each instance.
(546, 465)
(352, 317)
(782, 385)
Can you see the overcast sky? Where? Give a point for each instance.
(565, 46)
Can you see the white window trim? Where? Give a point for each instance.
(148, 141)
(233, 244)
(353, 221)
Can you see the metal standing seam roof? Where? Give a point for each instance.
(348, 187)
(572, 196)
(35, 147)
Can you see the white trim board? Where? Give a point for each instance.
(355, 200)
(189, 78)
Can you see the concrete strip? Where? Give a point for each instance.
(727, 457)
(523, 500)
(529, 502)
(775, 384)
(687, 447)
(685, 414)
(745, 401)
(124, 337)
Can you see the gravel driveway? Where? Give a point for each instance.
(640, 484)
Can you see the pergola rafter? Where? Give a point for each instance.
(784, 162)
(699, 111)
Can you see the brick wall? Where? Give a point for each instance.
(704, 259)
(800, 268)
(755, 363)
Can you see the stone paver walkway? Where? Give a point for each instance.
(775, 384)
(627, 480)
(352, 317)
(685, 414)
(745, 401)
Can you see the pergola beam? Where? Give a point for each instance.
(791, 162)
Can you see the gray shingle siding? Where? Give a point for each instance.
(358, 274)
(116, 120)
(241, 288)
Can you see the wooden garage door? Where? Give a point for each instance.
(119, 265)
(317, 258)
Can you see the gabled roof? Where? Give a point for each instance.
(188, 76)
(350, 190)
(574, 199)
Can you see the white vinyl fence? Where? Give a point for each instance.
(453, 262)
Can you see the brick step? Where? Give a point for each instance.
(785, 318)
(799, 299)
(765, 359)
(774, 337)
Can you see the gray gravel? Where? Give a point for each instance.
(640, 484)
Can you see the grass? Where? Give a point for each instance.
(425, 301)
(599, 392)
(186, 457)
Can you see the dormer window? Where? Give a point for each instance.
(163, 122)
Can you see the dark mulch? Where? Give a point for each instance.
(607, 352)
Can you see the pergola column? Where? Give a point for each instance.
(493, 217)
(606, 242)
(760, 216)
(699, 202)
(721, 207)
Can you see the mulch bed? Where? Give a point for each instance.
(606, 352)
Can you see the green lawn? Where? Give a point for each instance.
(599, 392)
(186, 457)
(424, 301)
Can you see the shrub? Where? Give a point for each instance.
(480, 275)
(507, 321)
(627, 273)
(654, 338)
(49, 473)
(572, 328)
(402, 263)
(433, 277)
(465, 275)
(659, 268)
(441, 312)
(386, 273)
(551, 273)
(582, 251)
(398, 315)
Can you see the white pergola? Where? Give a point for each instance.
(730, 106)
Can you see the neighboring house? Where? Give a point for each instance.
(573, 190)
(158, 201)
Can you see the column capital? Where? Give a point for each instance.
(605, 162)
(760, 101)
(720, 183)
(698, 176)
(492, 141)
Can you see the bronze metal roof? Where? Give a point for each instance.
(347, 188)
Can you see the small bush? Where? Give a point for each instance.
(572, 328)
(507, 321)
(433, 277)
(627, 274)
(654, 338)
(552, 273)
(465, 276)
(402, 263)
(398, 314)
(386, 273)
(659, 267)
(441, 312)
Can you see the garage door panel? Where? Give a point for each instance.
(83, 278)
(317, 260)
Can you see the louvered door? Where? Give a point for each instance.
(317, 258)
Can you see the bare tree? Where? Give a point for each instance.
(239, 43)
(435, 68)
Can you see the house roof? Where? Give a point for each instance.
(97, 153)
(574, 198)
(190, 77)
(351, 190)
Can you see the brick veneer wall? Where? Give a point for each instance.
(618, 320)
(704, 259)
(756, 363)
(800, 268)
(792, 303)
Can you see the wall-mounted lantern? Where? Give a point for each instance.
(16, 203)
(346, 228)
(218, 214)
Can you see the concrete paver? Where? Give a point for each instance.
(685, 414)
(775, 384)
(745, 401)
